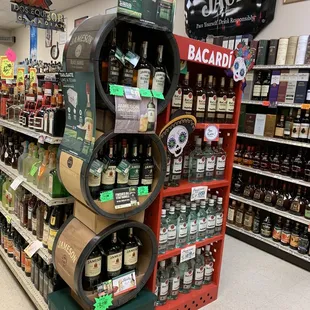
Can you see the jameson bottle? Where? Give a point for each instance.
(130, 252)
(151, 115)
(128, 68)
(159, 73)
(148, 168)
(94, 185)
(114, 64)
(134, 171)
(144, 69)
(92, 270)
(114, 257)
(188, 98)
(108, 177)
(122, 179)
(211, 101)
(200, 100)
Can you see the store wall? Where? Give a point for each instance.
(4, 47)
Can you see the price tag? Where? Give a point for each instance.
(33, 248)
(124, 283)
(273, 105)
(188, 253)
(143, 190)
(212, 133)
(158, 95)
(96, 167)
(305, 106)
(145, 93)
(116, 90)
(132, 93)
(125, 197)
(106, 196)
(199, 193)
(8, 219)
(103, 302)
(41, 139)
(265, 103)
(18, 181)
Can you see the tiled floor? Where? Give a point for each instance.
(251, 280)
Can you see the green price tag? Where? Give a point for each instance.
(145, 93)
(103, 302)
(34, 169)
(117, 90)
(143, 190)
(158, 95)
(106, 196)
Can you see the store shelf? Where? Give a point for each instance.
(272, 175)
(13, 173)
(26, 234)
(29, 132)
(202, 126)
(275, 140)
(275, 67)
(270, 242)
(25, 282)
(279, 104)
(199, 244)
(186, 187)
(259, 205)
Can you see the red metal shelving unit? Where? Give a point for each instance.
(189, 49)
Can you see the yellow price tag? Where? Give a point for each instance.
(7, 69)
(33, 76)
(8, 219)
(305, 106)
(20, 76)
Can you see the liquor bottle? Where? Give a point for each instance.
(219, 216)
(221, 105)
(211, 219)
(159, 72)
(266, 87)
(57, 118)
(197, 164)
(55, 188)
(307, 170)
(259, 194)
(55, 223)
(14, 162)
(151, 114)
(186, 276)
(284, 199)
(296, 205)
(231, 212)
(279, 133)
(163, 236)
(108, 176)
(113, 63)
(192, 225)
(163, 280)
(186, 155)
(92, 270)
(211, 100)
(46, 227)
(176, 103)
(247, 159)
(202, 221)
(22, 157)
(198, 270)
(303, 243)
(114, 257)
(231, 99)
(285, 166)
(10, 233)
(248, 219)
(34, 218)
(208, 263)
(200, 100)
(220, 155)
(168, 169)
(275, 162)
(188, 98)
(32, 164)
(37, 267)
(130, 252)
(257, 89)
(277, 230)
(288, 125)
(265, 229)
(144, 69)
(128, 68)
(210, 162)
(176, 171)
(240, 215)
(295, 237)
(134, 171)
(182, 228)
(265, 163)
(249, 189)
(44, 182)
(298, 166)
(286, 234)
(304, 127)
(174, 279)
(238, 185)
(94, 185)
(122, 178)
(147, 174)
(296, 126)
(9, 153)
(270, 197)
(172, 228)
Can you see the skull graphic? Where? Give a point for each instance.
(177, 140)
(239, 69)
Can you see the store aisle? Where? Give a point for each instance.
(251, 280)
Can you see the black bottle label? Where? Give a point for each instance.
(147, 174)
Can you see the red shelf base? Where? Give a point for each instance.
(196, 299)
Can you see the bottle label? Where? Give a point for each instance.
(134, 174)
(231, 105)
(304, 131)
(177, 165)
(10, 246)
(268, 197)
(287, 128)
(285, 237)
(182, 230)
(38, 123)
(248, 221)
(265, 91)
(144, 78)
(147, 174)
(164, 288)
(279, 132)
(256, 226)
(221, 104)
(239, 217)
(199, 273)
(201, 103)
(219, 219)
(257, 90)
(49, 124)
(193, 227)
(27, 264)
(113, 70)
(109, 176)
(295, 206)
(89, 124)
(175, 283)
(159, 82)
(188, 102)
(294, 241)
(114, 262)
(130, 256)
(93, 267)
(210, 221)
(34, 224)
(51, 238)
(188, 278)
(122, 178)
(186, 162)
(93, 180)
(221, 163)
(295, 130)
(45, 233)
(177, 99)
(128, 75)
(151, 115)
(307, 213)
(231, 214)
(201, 164)
(163, 237)
(208, 271)
(212, 104)
(172, 232)
(276, 234)
(202, 224)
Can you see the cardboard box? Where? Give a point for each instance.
(250, 123)
(291, 86)
(302, 86)
(283, 85)
(247, 93)
(274, 85)
(242, 118)
(260, 122)
(270, 125)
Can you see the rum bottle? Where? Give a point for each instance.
(172, 221)
(198, 270)
(197, 163)
(188, 98)
(200, 100)
(221, 105)
(182, 228)
(208, 263)
(231, 99)
(220, 156)
(174, 279)
(211, 100)
(163, 280)
(163, 235)
(211, 219)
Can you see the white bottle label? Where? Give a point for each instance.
(219, 219)
(257, 90)
(231, 104)
(209, 269)
(93, 267)
(295, 130)
(114, 262)
(199, 273)
(182, 230)
(221, 104)
(265, 90)
(144, 78)
(93, 180)
(193, 227)
(50, 123)
(186, 162)
(175, 283)
(210, 163)
(202, 224)
(210, 221)
(151, 115)
(177, 165)
(159, 82)
(221, 163)
(177, 98)
(212, 104)
(163, 237)
(304, 130)
(164, 288)
(131, 256)
(122, 178)
(201, 164)
(201, 103)
(188, 277)
(188, 102)
(172, 232)
(108, 177)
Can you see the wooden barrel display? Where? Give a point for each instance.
(74, 174)
(88, 49)
(75, 242)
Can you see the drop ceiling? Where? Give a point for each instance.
(8, 18)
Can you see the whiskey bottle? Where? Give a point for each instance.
(134, 171)
(296, 126)
(176, 100)
(296, 206)
(147, 174)
(220, 155)
(94, 185)
(295, 237)
(113, 63)
(285, 167)
(128, 69)
(248, 157)
(265, 163)
(304, 127)
(259, 194)
(248, 219)
(188, 98)
(303, 243)
(92, 271)
(144, 69)
(288, 125)
(89, 122)
(159, 72)
(265, 229)
(239, 215)
(231, 99)
(231, 212)
(249, 189)
(200, 100)
(286, 234)
(298, 166)
(151, 115)
(221, 105)
(238, 186)
(277, 230)
(270, 196)
(46, 228)
(122, 178)
(236, 154)
(307, 170)
(174, 279)
(265, 87)
(256, 223)
(197, 163)
(284, 199)
(279, 133)
(211, 100)
(108, 176)
(257, 89)
(114, 257)
(130, 252)
(55, 223)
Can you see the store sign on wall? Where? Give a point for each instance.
(37, 13)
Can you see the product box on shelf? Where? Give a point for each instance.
(260, 122)
(274, 85)
(291, 86)
(250, 123)
(247, 94)
(284, 78)
(242, 118)
(302, 86)
(270, 125)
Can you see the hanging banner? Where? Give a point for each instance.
(33, 42)
(32, 76)
(7, 68)
(227, 17)
(20, 76)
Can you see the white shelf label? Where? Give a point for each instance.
(33, 248)
(188, 253)
(199, 193)
(18, 181)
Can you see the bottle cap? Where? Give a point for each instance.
(220, 200)
(172, 209)
(211, 201)
(197, 202)
(183, 208)
(174, 259)
(199, 141)
(178, 206)
(162, 263)
(214, 197)
(203, 204)
(163, 212)
(193, 204)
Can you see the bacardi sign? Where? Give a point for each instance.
(37, 13)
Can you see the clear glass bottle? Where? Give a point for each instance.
(210, 162)
(202, 221)
(192, 225)
(219, 216)
(220, 161)
(197, 163)
(208, 263)
(182, 228)
(186, 276)
(198, 270)
(172, 228)
(174, 279)
(163, 238)
(211, 215)
(163, 279)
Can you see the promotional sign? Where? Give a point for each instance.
(80, 131)
(32, 76)
(37, 13)
(33, 42)
(7, 68)
(227, 17)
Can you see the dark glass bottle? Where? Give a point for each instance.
(10, 241)
(92, 270)
(271, 195)
(231, 98)
(128, 68)
(55, 223)
(307, 169)
(34, 218)
(221, 105)
(286, 166)
(108, 177)
(9, 153)
(265, 164)
(277, 230)
(122, 178)
(298, 166)
(211, 102)
(144, 69)
(15, 158)
(296, 206)
(247, 157)
(288, 125)
(284, 199)
(296, 126)
(303, 243)
(304, 127)
(265, 229)
(114, 64)
(275, 162)
(259, 194)
(265, 87)
(200, 100)
(236, 154)
(249, 189)
(295, 237)
(94, 184)
(114, 257)
(257, 88)
(238, 185)
(256, 159)
(188, 97)
(307, 210)
(134, 171)
(130, 252)
(286, 234)
(147, 173)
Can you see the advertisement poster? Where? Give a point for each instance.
(135, 116)
(33, 42)
(7, 68)
(80, 131)
(227, 18)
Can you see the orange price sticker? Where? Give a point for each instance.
(266, 103)
(305, 106)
